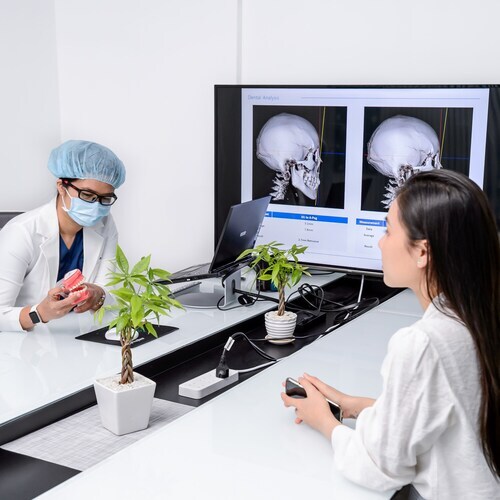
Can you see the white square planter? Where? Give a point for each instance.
(124, 408)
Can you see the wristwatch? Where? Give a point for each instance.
(34, 316)
(100, 302)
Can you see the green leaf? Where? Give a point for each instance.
(122, 322)
(123, 293)
(161, 273)
(274, 274)
(156, 308)
(161, 286)
(150, 329)
(256, 261)
(136, 303)
(245, 253)
(137, 313)
(142, 265)
(121, 260)
(99, 314)
(296, 275)
(113, 307)
(112, 324)
(176, 303)
(138, 279)
(121, 303)
(114, 281)
(265, 277)
(164, 292)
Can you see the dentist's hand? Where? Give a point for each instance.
(94, 300)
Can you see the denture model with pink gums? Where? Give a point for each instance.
(73, 283)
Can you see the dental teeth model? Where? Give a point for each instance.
(72, 284)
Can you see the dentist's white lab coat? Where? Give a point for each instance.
(29, 259)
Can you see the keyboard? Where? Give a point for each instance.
(177, 289)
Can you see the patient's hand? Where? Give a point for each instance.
(351, 405)
(313, 409)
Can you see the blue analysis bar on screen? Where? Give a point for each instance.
(371, 222)
(315, 218)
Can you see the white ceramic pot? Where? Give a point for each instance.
(279, 327)
(124, 408)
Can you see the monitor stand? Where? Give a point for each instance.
(221, 296)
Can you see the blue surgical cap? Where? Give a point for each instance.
(87, 160)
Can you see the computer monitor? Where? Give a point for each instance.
(331, 157)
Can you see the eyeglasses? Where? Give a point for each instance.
(91, 197)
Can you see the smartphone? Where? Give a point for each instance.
(295, 390)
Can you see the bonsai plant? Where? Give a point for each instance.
(139, 298)
(282, 268)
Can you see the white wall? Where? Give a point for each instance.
(29, 102)
(370, 41)
(138, 77)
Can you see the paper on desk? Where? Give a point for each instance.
(80, 441)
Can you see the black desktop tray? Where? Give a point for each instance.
(143, 338)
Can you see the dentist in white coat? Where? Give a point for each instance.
(73, 231)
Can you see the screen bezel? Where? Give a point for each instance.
(229, 131)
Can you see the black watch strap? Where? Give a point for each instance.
(34, 316)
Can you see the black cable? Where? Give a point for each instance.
(310, 293)
(222, 370)
(257, 295)
(319, 296)
(232, 307)
(363, 306)
(305, 290)
(241, 292)
(257, 349)
(295, 337)
(294, 308)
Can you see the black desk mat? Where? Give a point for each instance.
(143, 338)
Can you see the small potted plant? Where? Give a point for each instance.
(125, 400)
(282, 268)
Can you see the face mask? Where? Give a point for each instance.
(84, 213)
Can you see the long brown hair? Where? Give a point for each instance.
(452, 213)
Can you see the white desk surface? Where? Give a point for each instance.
(40, 367)
(244, 444)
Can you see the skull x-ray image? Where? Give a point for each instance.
(289, 145)
(294, 160)
(403, 141)
(400, 147)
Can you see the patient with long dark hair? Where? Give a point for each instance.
(436, 425)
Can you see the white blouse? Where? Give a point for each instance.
(423, 429)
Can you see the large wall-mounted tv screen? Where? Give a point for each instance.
(332, 158)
